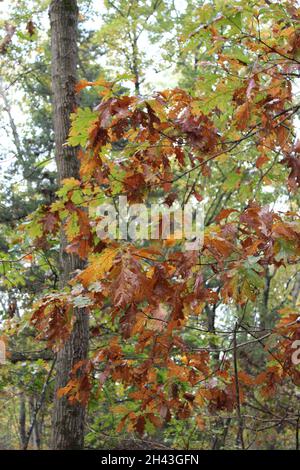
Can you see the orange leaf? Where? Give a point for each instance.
(98, 267)
(261, 161)
(224, 213)
(242, 116)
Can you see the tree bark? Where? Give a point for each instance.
(22, 419)
(35, 435)
(68, 420)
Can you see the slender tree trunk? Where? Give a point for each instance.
(35, 435)
(22, 419)
(68, 420)
(135, 66)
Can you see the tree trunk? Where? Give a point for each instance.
(35, 435)
(68, 420)
(22, 419)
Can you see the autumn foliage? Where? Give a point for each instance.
(151, 303)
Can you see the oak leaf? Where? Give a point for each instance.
(99, 266)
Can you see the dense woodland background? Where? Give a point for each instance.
(120, 345)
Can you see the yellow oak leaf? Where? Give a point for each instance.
(99, 266)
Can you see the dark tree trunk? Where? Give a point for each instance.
(68, 420)
(22, 419)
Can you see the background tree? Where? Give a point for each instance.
(68, 420)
